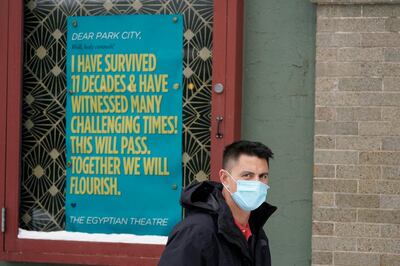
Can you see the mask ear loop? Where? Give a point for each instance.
(226, 185)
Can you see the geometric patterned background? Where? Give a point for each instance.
(44, 97)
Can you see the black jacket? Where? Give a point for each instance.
(208, 235)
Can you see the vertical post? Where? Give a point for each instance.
(227, 70)
(14, 109)
(3, 104)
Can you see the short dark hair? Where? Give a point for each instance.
(251, 148)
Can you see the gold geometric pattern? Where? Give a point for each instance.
(44, 93)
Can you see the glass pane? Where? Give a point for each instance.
(43, 141)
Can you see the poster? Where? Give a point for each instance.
(124, 124)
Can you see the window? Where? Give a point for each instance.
(33, 121)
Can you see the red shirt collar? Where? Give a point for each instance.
(244, 229)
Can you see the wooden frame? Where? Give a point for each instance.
(3, 106)
(227, 70)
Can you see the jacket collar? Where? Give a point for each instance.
(259, 216)
(207, 197)
(227, 227)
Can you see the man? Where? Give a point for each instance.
(224, 223)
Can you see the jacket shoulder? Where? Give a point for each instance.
(192, 242)
(197, 223)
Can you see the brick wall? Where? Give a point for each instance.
(356, 199)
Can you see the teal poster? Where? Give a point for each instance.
(124, 124)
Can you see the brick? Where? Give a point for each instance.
(320, 257)
(325, 128)
(345, 186)
(358, 143)
(325, 25)
(391, 172)
(357, 230)
(349, 229)
(348, 69)
(390, 202)
(357, 201)
(391, 143)
(372, 230)
(379, 186)
(374, 128)
(336, 157)
(392, 54)
(338, 11)
(349, 99)
(384, 157)
(321, 170)
(373, 69)
(322, 228)
(379, 216)
(395, 129)
(345, 244)
(391, 99)
(358, 54)
(383, 128)
(336, 128)
(390, 230)
(336, 69)
(324, 39)
(326, 84)
(381, 10)
(378, 245)
(391, 84)
(358, 172)
(324, 142)
(360, 84)
(350, 24)
(390, 69)
(323, 199)
(333, 243)
(325, 54)
(334, 215)
(356, 259)
(325, 113)
(323, 185)
(323, 243)
(391, 114)
(358, 114)
(380, 40)
(390, 260)
(346, 39)
(334, 185)
(328, 98)
(392, 24)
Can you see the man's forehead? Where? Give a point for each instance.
(247, 161)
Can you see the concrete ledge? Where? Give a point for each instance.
(354, 2)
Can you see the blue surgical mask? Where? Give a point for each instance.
(249, 195)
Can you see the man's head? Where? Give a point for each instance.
(233, 151)
(244, 160)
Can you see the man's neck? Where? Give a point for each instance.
(240, 216)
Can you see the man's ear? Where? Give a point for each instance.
(223, 176)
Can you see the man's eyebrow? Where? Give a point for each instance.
(246, 172)
(250, 172)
